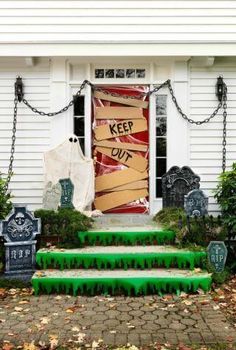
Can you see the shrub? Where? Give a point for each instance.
(198, 231)
(5, 208)
(62, 224)
(225, 195)
(5, 200)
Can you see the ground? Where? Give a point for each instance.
(185, 322)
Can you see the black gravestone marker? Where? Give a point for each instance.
(196, 203)
(217, 254)
(176, 183)
(19, 230)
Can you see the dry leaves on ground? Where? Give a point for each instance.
(225, 297)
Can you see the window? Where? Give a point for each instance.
(120, 73)
(161, 141)
(79, 119)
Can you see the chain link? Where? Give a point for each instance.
(13, 143)
(167, 83)
(64, 109)
(183, 115)
(224, 129)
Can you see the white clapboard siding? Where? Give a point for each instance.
(33, 131)
(117, 21)
(206, 140)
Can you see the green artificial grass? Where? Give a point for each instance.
(70, 259)
(126, 237)
(127, 285)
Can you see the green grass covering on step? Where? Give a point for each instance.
(69, 260)
(128, 286)
(126, 237)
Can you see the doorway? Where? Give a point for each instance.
(120, 149)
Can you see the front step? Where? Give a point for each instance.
(109, 220)
(120, 257)
(116, 282)
(146, 235)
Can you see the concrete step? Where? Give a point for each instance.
(120, 282)
(124, 257)
(109, 220)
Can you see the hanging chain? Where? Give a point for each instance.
(64, 109)
(224, 128)
(19, 98)
(13, 142)
(183, 115)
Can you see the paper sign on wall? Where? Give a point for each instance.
(125, 157)
(128, 127)
(122, 145)
(118, 178)
(124, 101)
(137, 185)
(115, 199)
(108, 112)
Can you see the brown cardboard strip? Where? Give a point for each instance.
(137, 185)
(108, 131)
(108, 112)
(122, 145)
(119, 99)
(125, 157)
(118, 178)
(115, 199)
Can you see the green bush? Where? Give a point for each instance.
(169, 219)
(63, 224)
(225, 195)
(196, 231)
(5, 208)
(5, 200)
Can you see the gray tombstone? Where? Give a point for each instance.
(52, 196)
(19, 231)
(176, 183)
(67, 192)
(196, 203)
(217, 254)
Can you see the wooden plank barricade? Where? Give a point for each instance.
(123, 128)
(130, 101)
(125, 157)
(115, 199)
(118, 178)
(108, 112)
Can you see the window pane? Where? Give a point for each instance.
(158, 188)
(161, 126)
(79, 126)
(160, 167)
(78, 105)
(161, 104)
(161, 147)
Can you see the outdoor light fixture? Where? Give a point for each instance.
(19, 89)
(220, 88)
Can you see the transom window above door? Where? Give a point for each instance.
(119, 73)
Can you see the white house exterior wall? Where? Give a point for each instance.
(206, 140)
(33, 131)
(85, 21)
(117, 27)
(49, 86)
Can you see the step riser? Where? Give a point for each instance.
(113, 286)
(62, 261)
(105, 238)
